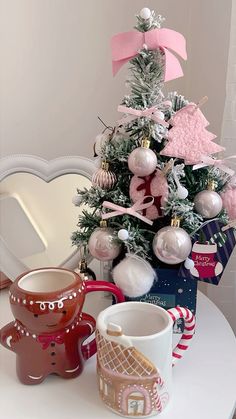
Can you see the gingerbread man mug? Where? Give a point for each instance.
(49, 330)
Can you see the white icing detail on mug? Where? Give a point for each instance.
(51, 304)
(35, 378)
(75, 369)
(8, 341)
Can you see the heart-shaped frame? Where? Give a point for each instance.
(46, 170)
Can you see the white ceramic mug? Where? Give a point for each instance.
(135, 356)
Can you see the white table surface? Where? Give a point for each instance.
(204, 380)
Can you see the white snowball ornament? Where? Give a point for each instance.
(172, 244)
(102, 244)
(182, 192)
(145, 13)
(123, 234)
(142, 161)
(134, 276)
(100, 141)
(76, 200)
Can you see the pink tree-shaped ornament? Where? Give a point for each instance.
(188, 139)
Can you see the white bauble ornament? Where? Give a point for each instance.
(102, 244)
(142, 161)
(145, 13)
(123, 234)
(76, 200)
(208, 203)
(118, 137)
(172, 244)
(189, 263)
(100, 141)
(134, 276)
(103, 177)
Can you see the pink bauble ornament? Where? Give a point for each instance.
(208, 203)
(103, 245)
(134, 276)
(155, 185)
(172, 244)
(229, 202)
(103, 177)
(142, 161)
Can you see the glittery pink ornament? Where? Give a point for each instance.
(155, 185)
(102, 244)
(189, 139)
(229, 202)
(142, 161)
(103, 177)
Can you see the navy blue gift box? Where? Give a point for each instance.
(171, 290)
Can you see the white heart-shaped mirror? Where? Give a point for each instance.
(37, 214)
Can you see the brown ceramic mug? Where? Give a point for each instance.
(50, 328)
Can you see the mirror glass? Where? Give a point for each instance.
(38, 218)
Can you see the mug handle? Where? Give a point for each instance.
(189, 327)
(90, 348)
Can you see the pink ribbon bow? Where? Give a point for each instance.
(137, 113)
(138, 206)
(46, 340)
(220, 164)
(126, 45)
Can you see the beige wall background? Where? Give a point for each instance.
(56, 67)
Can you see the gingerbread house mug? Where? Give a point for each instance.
(49, 330)
(135, 356)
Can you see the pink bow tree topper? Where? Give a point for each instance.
(126, 46)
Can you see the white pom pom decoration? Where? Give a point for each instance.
(134, 276)
(76, 200)
(123, 234)
(145, 13)
(189, 263)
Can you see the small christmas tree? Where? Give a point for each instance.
(144, 198)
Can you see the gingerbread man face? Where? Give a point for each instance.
(46, 303)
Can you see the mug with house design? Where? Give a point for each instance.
(134, 356)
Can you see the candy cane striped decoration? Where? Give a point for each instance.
(160, 382)
(157, 400)
(189, 326)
